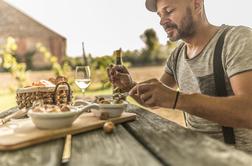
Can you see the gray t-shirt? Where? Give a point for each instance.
(196, 76)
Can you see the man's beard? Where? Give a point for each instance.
(187, 28)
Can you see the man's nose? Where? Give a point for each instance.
(164, 21)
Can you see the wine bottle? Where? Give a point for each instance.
(118, 61)
(118, 54)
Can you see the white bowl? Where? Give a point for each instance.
(55, 120)
(113, 110)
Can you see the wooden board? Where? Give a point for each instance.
(23, 133)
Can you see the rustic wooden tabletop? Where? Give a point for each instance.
(150, 141)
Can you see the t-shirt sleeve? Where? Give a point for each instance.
(171, 61)
(238, 51)
(169, 64)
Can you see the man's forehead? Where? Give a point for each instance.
(151, 5)
(163, 5)
(172, 2)
(167, 2)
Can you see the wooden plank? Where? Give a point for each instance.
(43, 154)
(175, 145)
(23, 133)
(119, 148)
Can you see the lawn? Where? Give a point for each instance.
(8, 100)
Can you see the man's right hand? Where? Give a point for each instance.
(120, 77)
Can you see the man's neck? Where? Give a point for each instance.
(197, 43)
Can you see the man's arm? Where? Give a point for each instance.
(234, 111)
(168, 80)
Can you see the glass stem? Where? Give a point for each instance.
(83, 93)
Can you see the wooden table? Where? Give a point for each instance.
(148, 141)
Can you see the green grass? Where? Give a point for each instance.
(8, 100)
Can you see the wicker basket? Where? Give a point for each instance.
(60, 94)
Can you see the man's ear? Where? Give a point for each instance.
(198, 5)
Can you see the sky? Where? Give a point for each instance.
(106, 25)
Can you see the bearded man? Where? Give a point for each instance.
(212, 68)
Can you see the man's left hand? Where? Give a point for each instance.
(153, 93)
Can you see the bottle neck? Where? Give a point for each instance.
(118, 55)
(118, 60)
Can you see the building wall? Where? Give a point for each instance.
(28, 32)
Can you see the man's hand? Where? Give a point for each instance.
(153, 93)
(120, 77)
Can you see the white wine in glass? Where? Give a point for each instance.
(82, 77)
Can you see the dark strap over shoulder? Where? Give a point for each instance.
(220, 84)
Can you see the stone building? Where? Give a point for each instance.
(28, 32)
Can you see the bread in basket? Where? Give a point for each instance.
(56, 93)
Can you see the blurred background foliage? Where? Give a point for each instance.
(9, 62)
(152, 54)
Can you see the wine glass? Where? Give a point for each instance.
(82, 77)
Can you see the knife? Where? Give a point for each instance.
(18, 114)
(67, 149)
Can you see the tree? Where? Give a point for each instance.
(9, 62)
(153, 53)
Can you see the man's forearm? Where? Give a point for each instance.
(234, 111)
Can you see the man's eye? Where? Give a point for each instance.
(169, 11)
